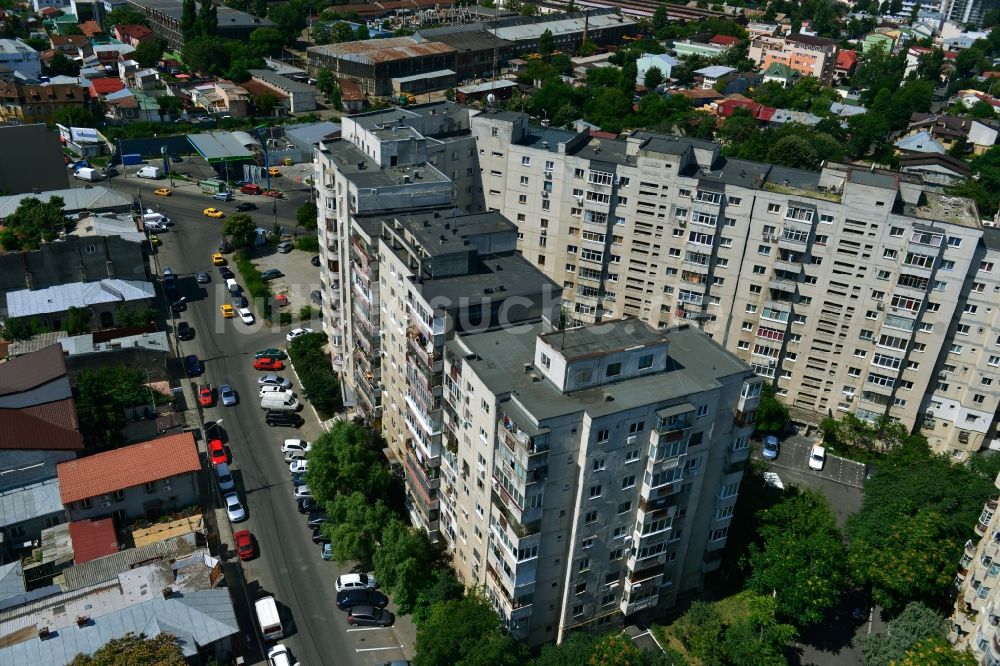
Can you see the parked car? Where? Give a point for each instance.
(274, 194)
(271, 388)
(354, 581)
(268, 363)
(285, 247)
(244, 545)
(317, 519)
(318, 536)
(298, 466)
(250, 188)
(204, 278)
(227, 395)
(296, 446)
(184, 330)
(315, 260)
(287, 419)
(770, 450)
(279, 656)
(246, 316)
(240, 301)
(271, 274)
(224, 476)
(274, 380)
(217, 452)
(234, 509)
(817, 456)
(271, 352)
(226, 272)
(180, 305)
(205, 397)
(302, 491)
(369, 616)
(326, 551)
(297, 333)
(192, 365)
(244, 206)
(362, 597)
(307, 504)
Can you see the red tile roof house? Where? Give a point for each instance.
(105, 86)
(724, 40)
(142, 480)
(133, 34)
(92, 539)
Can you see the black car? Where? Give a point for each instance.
(192, 365)
(317, 519)
(240, 301)
(225, 247)
(271, 274)
(369, 616)
(175, 158)
(180, 305)
(319, 537)
(307, 505)
(184, 331)
(361, 597)
(245, 206)
(226, 272)
(287, 419)
(315, 260)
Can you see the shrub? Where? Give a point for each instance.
(260, 291)
(319, 382)
(307, 244)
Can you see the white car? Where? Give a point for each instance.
(296, 446)
(817, 456)
(302, 492)
(274, 380)
(773, 480)
(271, 388)
(234, 509)
(279, 656)
(245, 315)
(355, 581)
(298, 466)
(297, 333)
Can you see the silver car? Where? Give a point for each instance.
(227, 395)
(274, 380)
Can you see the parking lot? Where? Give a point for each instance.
(300, 279)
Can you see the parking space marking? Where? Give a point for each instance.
(391, 647)
(369, 629)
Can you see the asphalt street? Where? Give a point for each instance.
(289, 565)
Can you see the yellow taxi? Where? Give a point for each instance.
(155, 240)
(218, 260)
(274, 171)
(212, 212)
(162, 192)
(227, 311)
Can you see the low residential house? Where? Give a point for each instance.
(108, 55)
(755, 30)
(781, 74)
(919, 142)
(21, 57)
(845, 110)
(222, 97)
(74, 47)
(699, 97)
(979, 134)
(176, 596)
(143, 480)
(26, 103)
(99, 88)
(26, 510)
(785, 116)
(147, 80)
(133, 34)
(935, 167)
(686, 47)
(480, 92)
(93, 539)
(297, 97)
(845, 66)
(37, 410)
(103, 298)
(725, 41)
(55, 263)
(131, 106)
(970, 97)
(66, 24)
(963, 41)
(92, 30)
(661, 61)
(352, 97)
(712, 74)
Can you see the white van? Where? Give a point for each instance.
(232, 286)
(279, 402)
(149, 172)
(88, 174)
(268, 618)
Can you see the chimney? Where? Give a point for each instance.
(167, 592)
(43, 633)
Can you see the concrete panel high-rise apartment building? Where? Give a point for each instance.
(854, 290)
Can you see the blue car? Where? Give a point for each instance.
(770, 450)
(192, 365)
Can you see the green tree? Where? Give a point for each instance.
(266, 41)
(206, 55)
(660, 18)
(443, 586)
(305, 216)
(75, 116)
(265, 104)
(129, 318)
(135, 650)
(356, 523)
(208, 19)
(60, 65)
(344, 460)
(402, 562)
(652, 78)
(102, 394)
(77, 320)
(915, 623)
(169, 105)
(259, 7)
(801, 559)
(546, 44)
(573, 651)
(20, 328)
(125, 15)
(916, 514)
(982, 109)
(189, 20)
(699, 631)
(32, 223)
(937, 652)
(466, 631)
(794, 151)
(148, 54)
(242, 231)
(772, 415)
(290, 18)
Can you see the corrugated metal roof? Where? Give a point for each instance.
(28, 502)
(84, 344)
(107, 568)
(534, 31)
(11, 580)
(97, 198)
(59, 298)
(35, 343)
(93, 539)
(219, 147)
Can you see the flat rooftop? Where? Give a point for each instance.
(441, 233)
(365, 172)
(227, 16)
(612, 336)
(500, 277)
(695, 364)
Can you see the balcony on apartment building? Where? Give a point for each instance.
(359, 251)
(645, 596)
(423, 348)
(425, 409)
(510, 513)
(989, 508)
(516, 609)
(426, 476)
(518, 439)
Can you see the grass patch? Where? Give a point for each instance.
(307, 244)
(319, 382)
(260, 292)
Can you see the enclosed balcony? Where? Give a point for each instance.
(423, 347)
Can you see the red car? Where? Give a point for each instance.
(281, 300)
(244, 545)
(274, 194)
(217, 452)
(250, 188)
(205, 395)
(268, 364)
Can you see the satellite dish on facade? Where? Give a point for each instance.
(491, 100)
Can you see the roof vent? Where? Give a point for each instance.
(43, 633)
(82, 620)
(609, 398)
(527, 368)
(167, 592)
(535, 378)
(545, 144)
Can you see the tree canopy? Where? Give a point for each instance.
(32, 223)
(917, 622)
(135, 650)
(466, 632)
